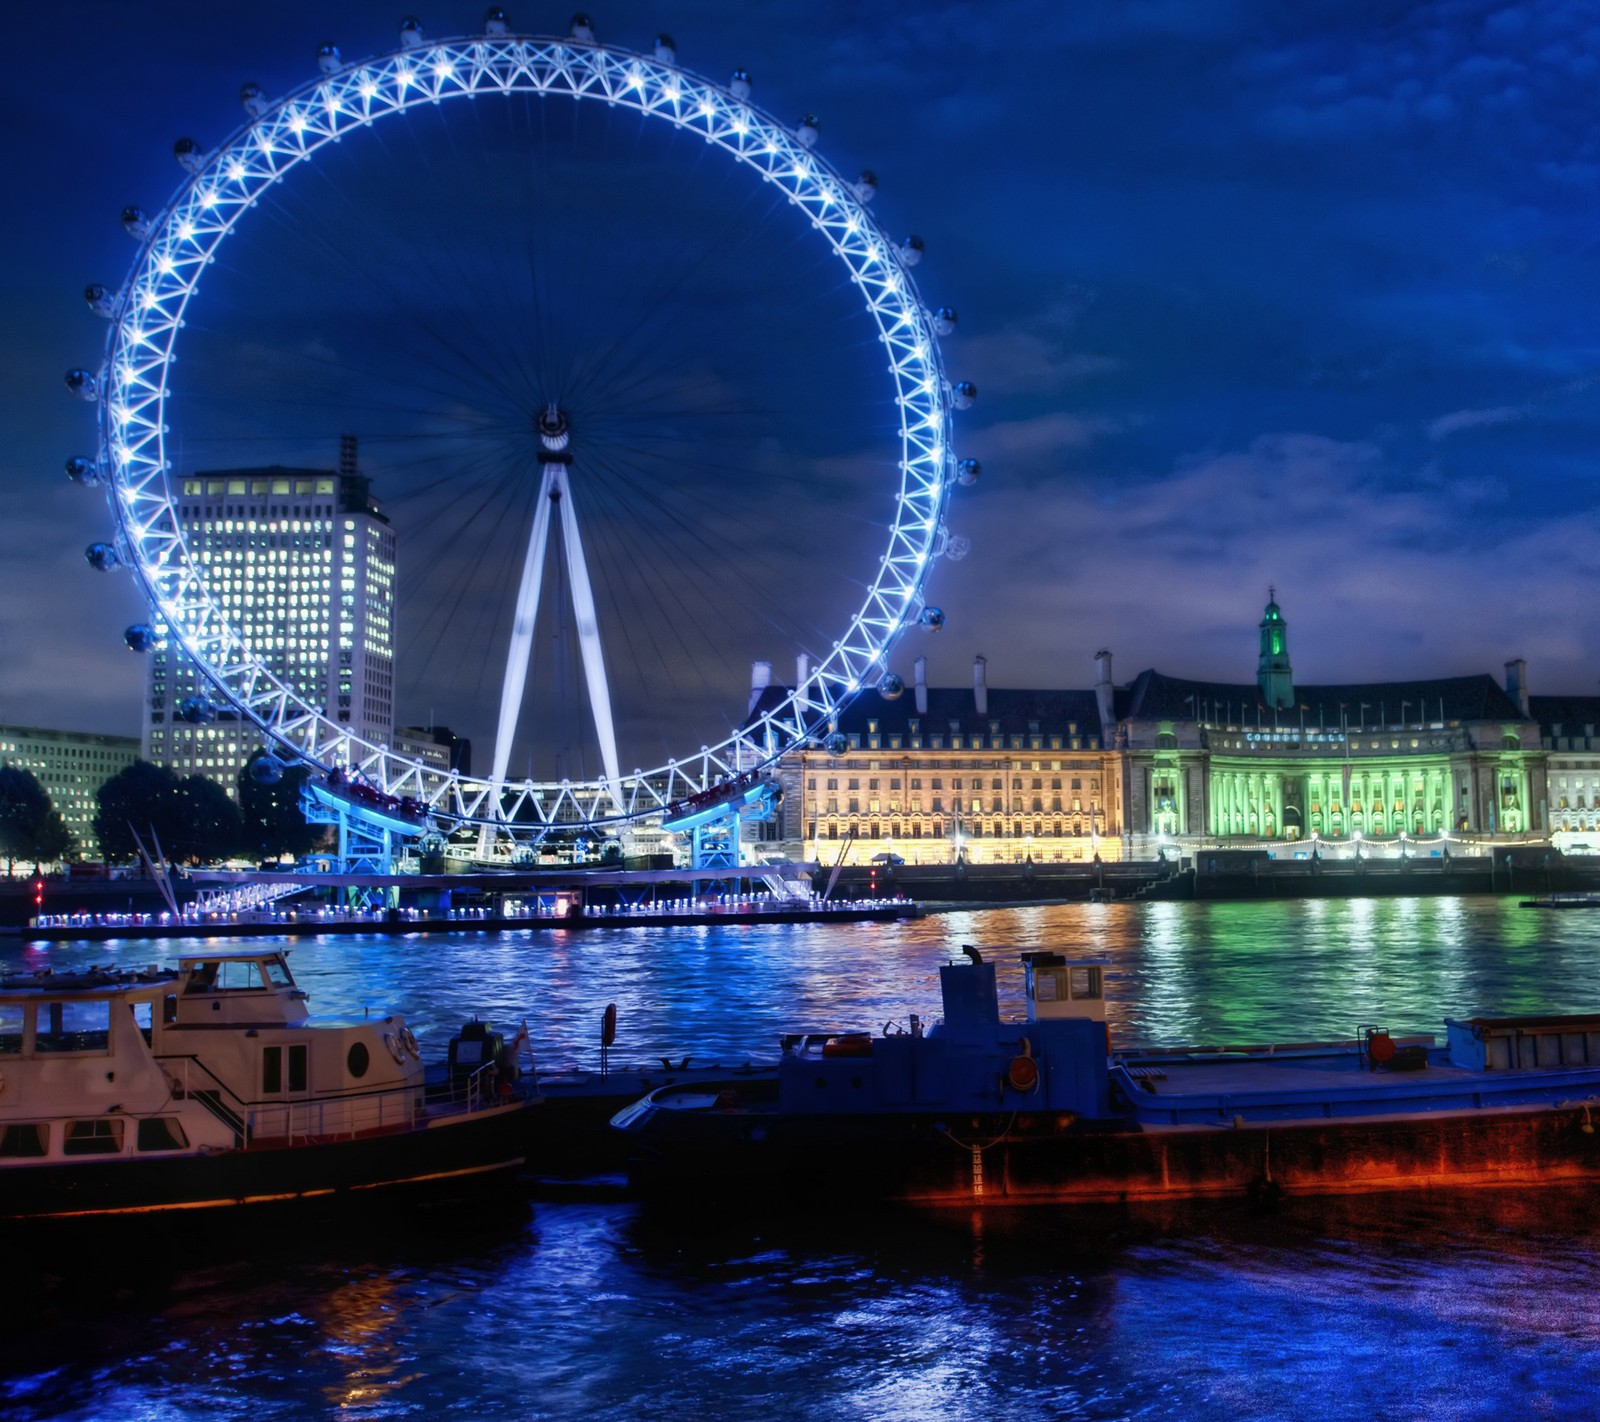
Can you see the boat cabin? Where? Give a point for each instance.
(1059, 990)
(253, 987)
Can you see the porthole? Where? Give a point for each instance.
(358, 1060)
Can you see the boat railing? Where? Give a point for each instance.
(296, 1118)
(465, 1091)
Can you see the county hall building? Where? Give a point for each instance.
(1163, 764)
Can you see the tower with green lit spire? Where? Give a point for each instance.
(1273, 674)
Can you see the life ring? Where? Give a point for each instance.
(392, 1042)
(409, 1042)
(1023, 1074)
(851, 1044)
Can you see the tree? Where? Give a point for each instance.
(273, 824)
(30, 826)
(194, 820)
(53, 840)
(141, 797)
(210, 830)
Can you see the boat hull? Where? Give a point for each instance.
(1018, 1161)
(455, 1155)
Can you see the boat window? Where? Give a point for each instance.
(142, 1012)
(24, 1138)
(273, 1081)
(240, 976)
(277, 972)
(202, 978)
(73, 1026)
(100, 1136)
(11, 1025)
(1084, 982)
(161, 1133)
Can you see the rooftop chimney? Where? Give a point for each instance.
(922, 686)
(1517, 682)
(760, 680)
(1104, 699)
(980, 687)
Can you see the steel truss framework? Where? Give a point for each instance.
(149, 312)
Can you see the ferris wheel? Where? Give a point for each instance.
(565, 403)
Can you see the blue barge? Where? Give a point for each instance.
(978, 1110)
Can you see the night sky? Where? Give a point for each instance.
(1253, 294)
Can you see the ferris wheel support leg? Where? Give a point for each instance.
(594, 666)
(521, 646)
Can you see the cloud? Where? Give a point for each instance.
(1029, 362)
(1450, 424)
(1032, 443)
(1375, 584)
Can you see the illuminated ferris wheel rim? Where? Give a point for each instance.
(178, 245)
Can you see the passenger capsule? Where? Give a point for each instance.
(102, 557)
(328, 59)
(963, 394)
(957, 547)
(191, 157)
(135, 223)
(197, 710)
(931, 619)
(968, 472)
(254, 99)
(99, 300)
(836, 744)
(806, 131)
(410, 32)
(866, 186)
(581, 29)
(666, 50)
(944, 320)
(141, 637)
(82, 384)
(911, 250)
(266, 770)
(739, 85)
(891, 687)
(83, 471)
(495, 22)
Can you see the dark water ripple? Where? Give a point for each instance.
(1406, 1308)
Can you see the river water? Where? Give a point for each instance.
(581, 1304)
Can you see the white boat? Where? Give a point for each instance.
(210, 1086)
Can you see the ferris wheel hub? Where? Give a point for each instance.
(554, 432)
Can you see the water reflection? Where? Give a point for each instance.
(1457, 1308)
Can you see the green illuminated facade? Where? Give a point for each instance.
(1377, 761)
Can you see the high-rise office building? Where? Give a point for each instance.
(302, 562)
